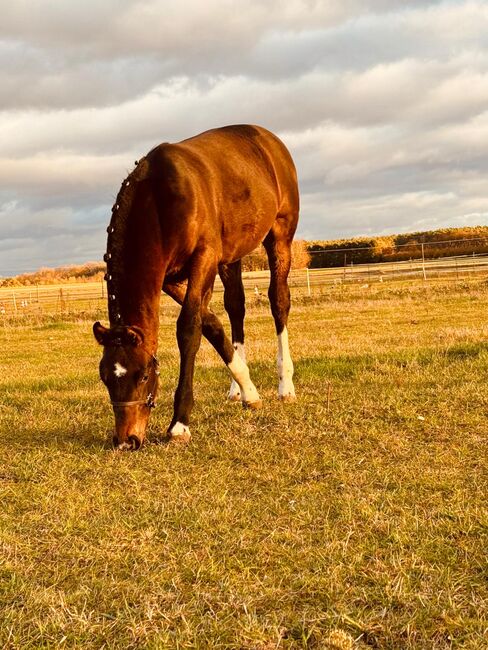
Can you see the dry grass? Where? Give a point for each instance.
(354, 518)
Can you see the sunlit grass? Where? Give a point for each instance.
(358, 513)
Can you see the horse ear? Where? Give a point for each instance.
(135, 336)
(100, 332)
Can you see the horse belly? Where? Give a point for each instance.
(245, 224)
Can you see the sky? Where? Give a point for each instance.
(382, 103)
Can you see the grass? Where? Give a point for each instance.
(355, 518)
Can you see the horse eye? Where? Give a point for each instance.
(145, 377)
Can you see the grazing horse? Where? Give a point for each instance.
(187, 211)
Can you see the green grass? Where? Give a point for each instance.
(354, 518)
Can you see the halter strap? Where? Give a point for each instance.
(149, 401)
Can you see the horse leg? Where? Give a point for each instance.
(189, 335)
(214, 332)
(278, 247)
(234, 303)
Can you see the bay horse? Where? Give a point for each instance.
(187, 211)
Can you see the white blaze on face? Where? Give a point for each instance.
(234, 390)
(119, 371)
(240, 373)
(285, 367)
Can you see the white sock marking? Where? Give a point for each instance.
(240, 373)
(119, 371)
(285, 366)
(234, 390)
(179, 429)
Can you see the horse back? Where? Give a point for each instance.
(223, 188)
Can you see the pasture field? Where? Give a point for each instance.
(354, 518)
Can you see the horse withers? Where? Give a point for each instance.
(186, 212)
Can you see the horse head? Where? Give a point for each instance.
(130, 372)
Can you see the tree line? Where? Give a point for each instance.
(443, 242)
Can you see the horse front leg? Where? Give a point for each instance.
(189, 336)
(214, 332)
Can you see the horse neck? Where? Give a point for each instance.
(138, 269)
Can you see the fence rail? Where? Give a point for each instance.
(91, 295)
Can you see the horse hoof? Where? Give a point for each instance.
(288, 399)
(253, 405)
(179, 434)
(180, 438)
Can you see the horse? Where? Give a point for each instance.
(187, 211)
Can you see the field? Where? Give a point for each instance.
(355, 518)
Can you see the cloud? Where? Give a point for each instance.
(382, 104)
(97, 54)
(32, 237)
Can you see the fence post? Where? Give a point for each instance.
(15, 302)
(308, 282)
(423, 261)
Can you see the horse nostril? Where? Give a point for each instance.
(134, 442)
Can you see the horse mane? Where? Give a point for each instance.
(117, 230)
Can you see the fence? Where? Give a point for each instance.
(92, 295)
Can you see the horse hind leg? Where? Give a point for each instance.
(234, 303)
(278, 247)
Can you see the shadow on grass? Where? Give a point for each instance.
(76, 422)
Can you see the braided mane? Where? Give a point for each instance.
(117, 230)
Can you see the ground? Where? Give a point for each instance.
(354, 518)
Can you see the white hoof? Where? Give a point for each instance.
(286, 390)
(288, 398)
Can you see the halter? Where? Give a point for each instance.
(113, 304)
(149, 401)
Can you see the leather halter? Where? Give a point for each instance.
(149, 401)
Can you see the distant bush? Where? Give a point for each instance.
(258, 260)
(73, 273)
(363, 250)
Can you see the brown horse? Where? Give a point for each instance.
(187, 211)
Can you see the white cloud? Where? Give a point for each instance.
(383, 105)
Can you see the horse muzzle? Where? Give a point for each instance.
(130, 427)
(132, 443)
